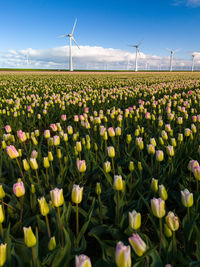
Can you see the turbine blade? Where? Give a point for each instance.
(132, 45)
(75, 41)
(74, 26)
(140, 42)
(62, 36)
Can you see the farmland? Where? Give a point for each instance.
(100, 164)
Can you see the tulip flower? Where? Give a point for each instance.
(107, 166)
(162, 192)
(18, 188)
(111, 151)
(81, 165)
(134, 220)
(172, 221)
(44, 210)
(154, 185)
(187, 198)
(158, 209)
(159, 155)
(123, 255)
(57, 201)
(187, 201)
(83, 261)
(138, 245)
(52, 243)
(8, 129)
(12, 152)
(29, 237)
(77, 193)
(2, 192)
(57, 197)
(3, 254)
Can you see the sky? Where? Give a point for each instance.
(104, 31)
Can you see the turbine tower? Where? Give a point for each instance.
(193, 55)
(70, 35)
(136, 54)
(171, 57)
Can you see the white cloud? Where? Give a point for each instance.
(189, 3)
(88, 57)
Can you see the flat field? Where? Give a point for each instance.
(100, 164)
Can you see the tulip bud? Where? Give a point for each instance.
(59, 153)
(70, 130)
(88, 146)
(12, 152)
(134, 220)
(34, 140)
(151, 149)
(52, 243)
(26, 165)
(33, 163)
(167, 231)
(47, 134)
(107, 166)
(111, 132)
(128, 138)
(131, 166)
(57, 197)
(118, 183)
(3, 254)
(170, 151)
(56, 140)
(44, 208)
(187, 198)
(162, 192)
(137, 244)
(154, 185)
(196, 172)
(2, 217)
(32, 189)
(159, 155)
(173, 142)
(118, 131)
(161, 141)
(111, 151)
(20, 152)
(77, 194)
(123, 255)
(29, 237)
(78, 147)
(81, 165)
(83, 261)
(18, 188)
(46, 162)
(140, 168)
(98, 188)
(172, 221)
(3, 144)
(2, 192)
(158, 207)
(50, 156)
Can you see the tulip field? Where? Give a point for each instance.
(99, 169)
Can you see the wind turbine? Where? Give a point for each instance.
(171, 57)
(136, 54)
(70, 35)
(193, 55)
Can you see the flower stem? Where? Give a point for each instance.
(47, 176)
(20, 169)
(21, 200)
(188, 214)
(38, 181)
(34, 257)
(1, 230)
(117, 208)
(60, 227)
(113, 166)
(173, 244)
(160, 244)
(77, 220)
(48, 228)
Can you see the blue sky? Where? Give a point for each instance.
(105, 24)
